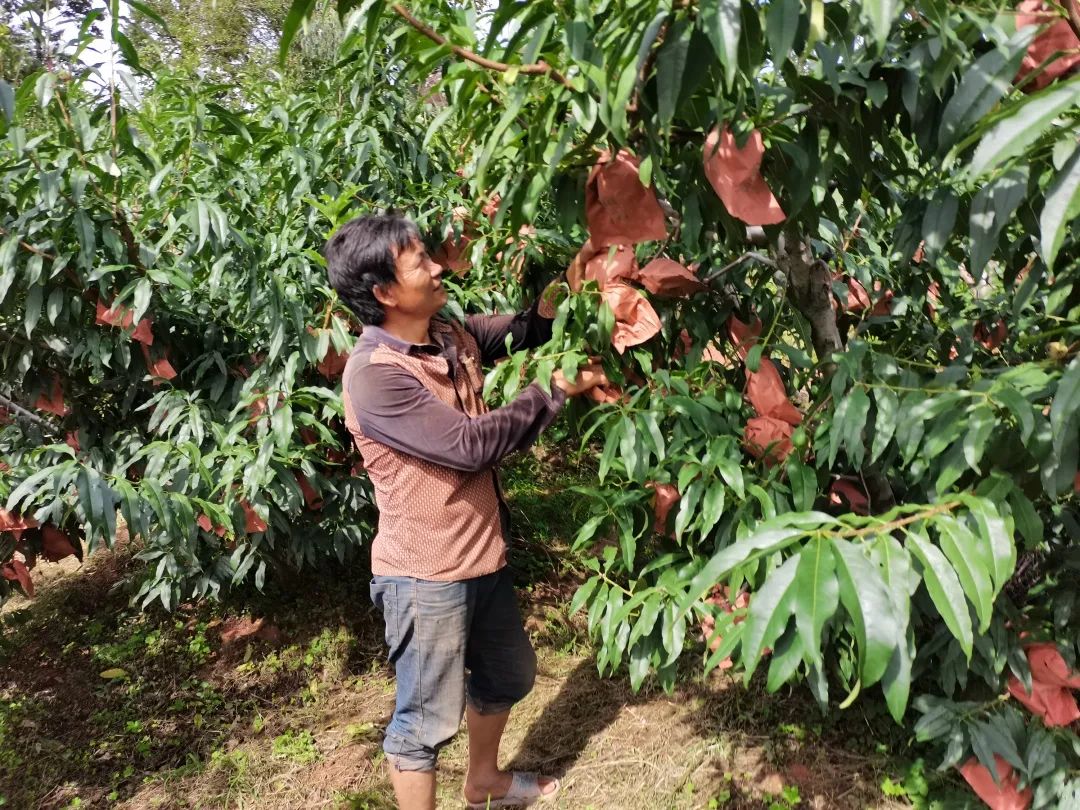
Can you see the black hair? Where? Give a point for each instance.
(360, 256)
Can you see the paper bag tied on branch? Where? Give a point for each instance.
(618, 208)
(635, 319)
(735, 175)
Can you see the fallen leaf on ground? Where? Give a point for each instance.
(56, 546)
(15, 523)
(16, 571)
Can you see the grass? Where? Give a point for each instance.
(296, 722)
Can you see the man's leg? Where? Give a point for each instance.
(426, 629)
(415, 790)
(484, 777)
(502, 668)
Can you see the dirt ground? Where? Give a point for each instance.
(279, 702)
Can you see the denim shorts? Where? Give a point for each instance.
(436, 631)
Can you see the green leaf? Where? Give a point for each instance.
(1027, 520)
(884, 422)
(848, 423)
(128, 51)
(944, 588)
(1019, 406)
(981, 423)
(1023, 125)
(767, 539)
(672, 632)
(722, 21)
(44, 88)
(804, 484)
(298, 14)
(646, 620)
(879, 16)
(817, 595)
(731, 472)
(32, 308)
(781, 25)
(55, 305)
(938, 221)
(769, 612)
(688, 506)
(957, 542)
(901, 582)
(1062, 206)
(611, 446)
(148, 11)
(896, 682)
(670, 66)
(784, 662)
(991, 209)
(583, 593)
(7, 101)
(994, 531)
(712, 506)
(84, 228)
(866, 599)
(143, 291)
(983, 84)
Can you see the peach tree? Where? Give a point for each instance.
(171, 349)
(828, 252)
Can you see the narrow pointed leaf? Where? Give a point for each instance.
(944, 588)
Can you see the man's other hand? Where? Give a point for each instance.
(589, 376)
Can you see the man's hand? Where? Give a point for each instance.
(589, 376)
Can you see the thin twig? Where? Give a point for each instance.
(1073, 9)
(892, 525)
(20, 411)
(851, 233)
(715, 274)
(28, 246)
(539, 68)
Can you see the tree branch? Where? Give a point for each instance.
(21, 412)
(1073, 9)
(539, 68)
(810, 287)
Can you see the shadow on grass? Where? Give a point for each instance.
(584, 708)
(174, 693)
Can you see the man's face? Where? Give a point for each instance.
(419, 290)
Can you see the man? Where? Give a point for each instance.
(412, 396)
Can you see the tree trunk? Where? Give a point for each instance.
(810, 288)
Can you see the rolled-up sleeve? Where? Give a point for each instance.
(393, 407)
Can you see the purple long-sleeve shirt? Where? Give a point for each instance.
(394, 408)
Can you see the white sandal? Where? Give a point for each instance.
(524, 791)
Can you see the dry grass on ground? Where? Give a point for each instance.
(290, 716)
